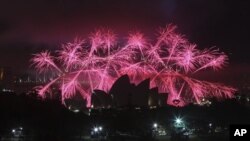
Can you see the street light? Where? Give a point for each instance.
(178, 120)
(155, 125)
(95, 129)
(100, 128)
(210, 125)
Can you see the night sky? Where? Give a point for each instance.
(27, 27)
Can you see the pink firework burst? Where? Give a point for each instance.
(95, 63)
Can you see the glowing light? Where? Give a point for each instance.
(155, 125)
(96, 62)
(100, 128)
(178, 121)
(96, 129)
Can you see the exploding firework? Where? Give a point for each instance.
(97, 62)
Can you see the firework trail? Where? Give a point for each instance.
(97, 62)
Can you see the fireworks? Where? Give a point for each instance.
(97, 62)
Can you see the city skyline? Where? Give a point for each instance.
(145, 70)
(27, 28)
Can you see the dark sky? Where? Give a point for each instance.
(29, 26)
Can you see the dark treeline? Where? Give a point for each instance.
(50, 120)
(40, 119)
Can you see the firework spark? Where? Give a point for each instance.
(96, 64)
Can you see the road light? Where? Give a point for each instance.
(155, 125)
(178, 120)
(210, 125)
(100, 128)
(95, 129)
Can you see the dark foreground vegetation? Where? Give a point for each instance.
(50, 120)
